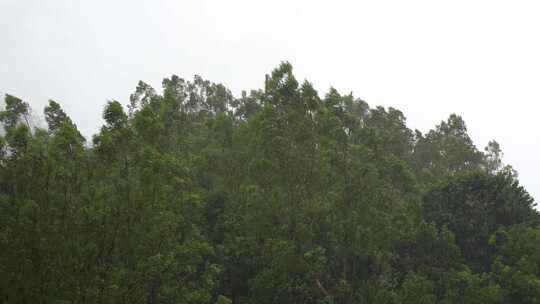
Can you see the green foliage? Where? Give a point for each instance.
(446, 150)
(14, 113)
(114, 114)
(279, 196)
(474, 205)
(55, 116)
(417, 289)
(517, 264)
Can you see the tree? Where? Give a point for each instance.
(191, 195)
(474, 205)
(445, 150)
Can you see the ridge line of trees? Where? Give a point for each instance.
(193, 195)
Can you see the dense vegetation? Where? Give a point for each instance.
(279, 196)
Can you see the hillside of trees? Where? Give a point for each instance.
(192, 195)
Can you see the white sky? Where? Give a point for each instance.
(479, 59)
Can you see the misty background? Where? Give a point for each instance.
(478, 59)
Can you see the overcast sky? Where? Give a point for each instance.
(479, 59)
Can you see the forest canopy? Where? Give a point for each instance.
(189, 194)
